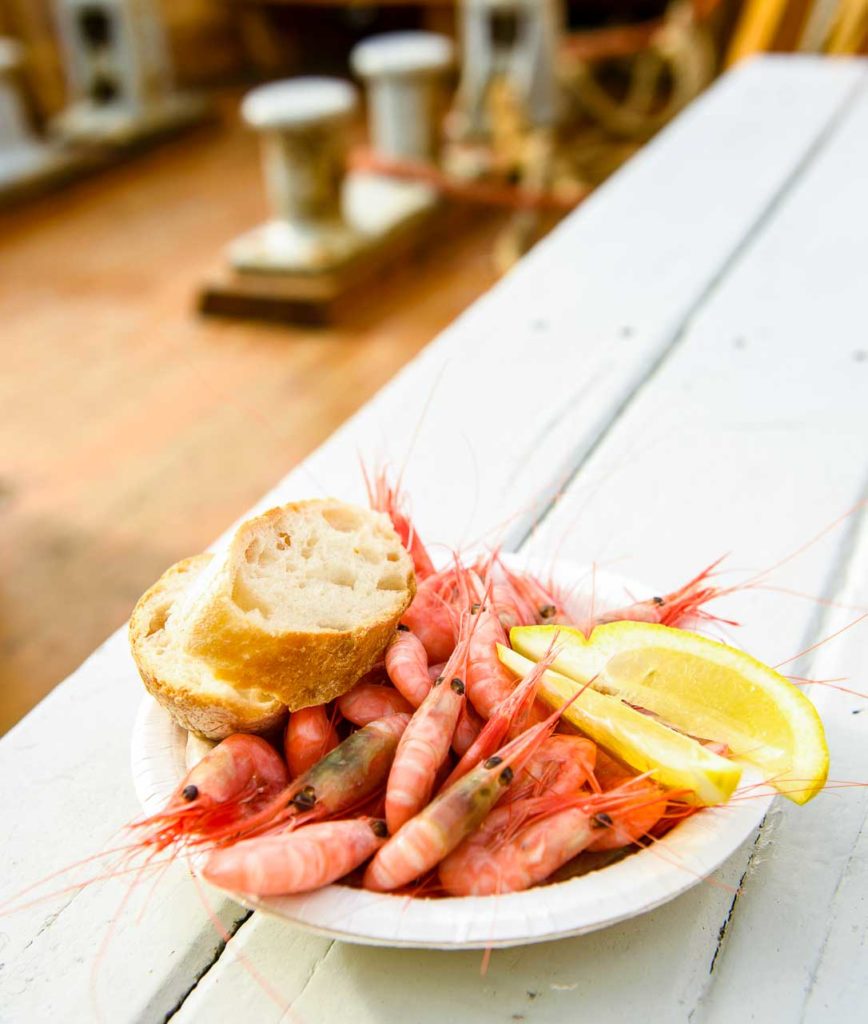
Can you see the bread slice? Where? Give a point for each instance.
(303, 602)
(186, 686)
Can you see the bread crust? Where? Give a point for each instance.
(300, 668)
(194, 711)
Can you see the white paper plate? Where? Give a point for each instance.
(638, 883)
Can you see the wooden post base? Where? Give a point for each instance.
(318, 298)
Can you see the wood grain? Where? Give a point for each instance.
(132, 431)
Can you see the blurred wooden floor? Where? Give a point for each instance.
(132, 431)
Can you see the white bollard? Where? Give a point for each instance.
(23, 156)
(404, 73)
(517, 39)
(303, 124)
(118, 72)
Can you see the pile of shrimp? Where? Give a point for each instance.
(438, 773)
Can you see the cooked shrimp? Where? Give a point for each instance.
(509, 715)
(386, 497)
(489, 683)
(633, 819)
(467, 728)
(345, 778)
(407, 666)
(424, 747)
(231, 784)
(518, 847)
(518, 598)
(438, 828)
(367, 702)
(299, 861)
(676, 608)
(433, 619)
(310, 735)
(563, 764)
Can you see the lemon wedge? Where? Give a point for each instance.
(674, 760)
(701, 687)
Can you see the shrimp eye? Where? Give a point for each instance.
(603, 819)
(474, 608)
(658, 600)
(493, 762)
(547, 611)
(379, 828)
(457, 685)
(305, 799)
(402, 628)
(506, 776)
(439, 680)
(190, 792)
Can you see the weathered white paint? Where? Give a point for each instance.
(522, 387)
(804, 901)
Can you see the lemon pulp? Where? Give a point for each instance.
(698, 686)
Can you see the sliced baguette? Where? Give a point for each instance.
(303, 602)
(185, 685)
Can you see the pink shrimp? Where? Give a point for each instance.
(350, 773)
(433, 619)
(367, 702)
(423, 841)
(346, 778)
(506, 719)
(636, 816)
(518, 598)
(229, 786)
(488, 682)
(386, 497)
(520, 846)
(310, 735)
(676, 608)
(407, 666)
(468, 727)
(563, 765)
(425, 744)
(299, 861)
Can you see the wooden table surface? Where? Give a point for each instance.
(679, 371)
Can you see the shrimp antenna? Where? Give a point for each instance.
(417, 430)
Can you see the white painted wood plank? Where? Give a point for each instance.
(518, 398)
(688, 472)
(751, 437)
(804, 898)
(65, 794)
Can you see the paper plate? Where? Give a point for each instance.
(636, 884)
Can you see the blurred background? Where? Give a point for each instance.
(194, 293)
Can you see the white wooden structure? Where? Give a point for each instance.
(118, 72)
(516, 40)
(25, 159)
(405, 79)
(678, 371)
